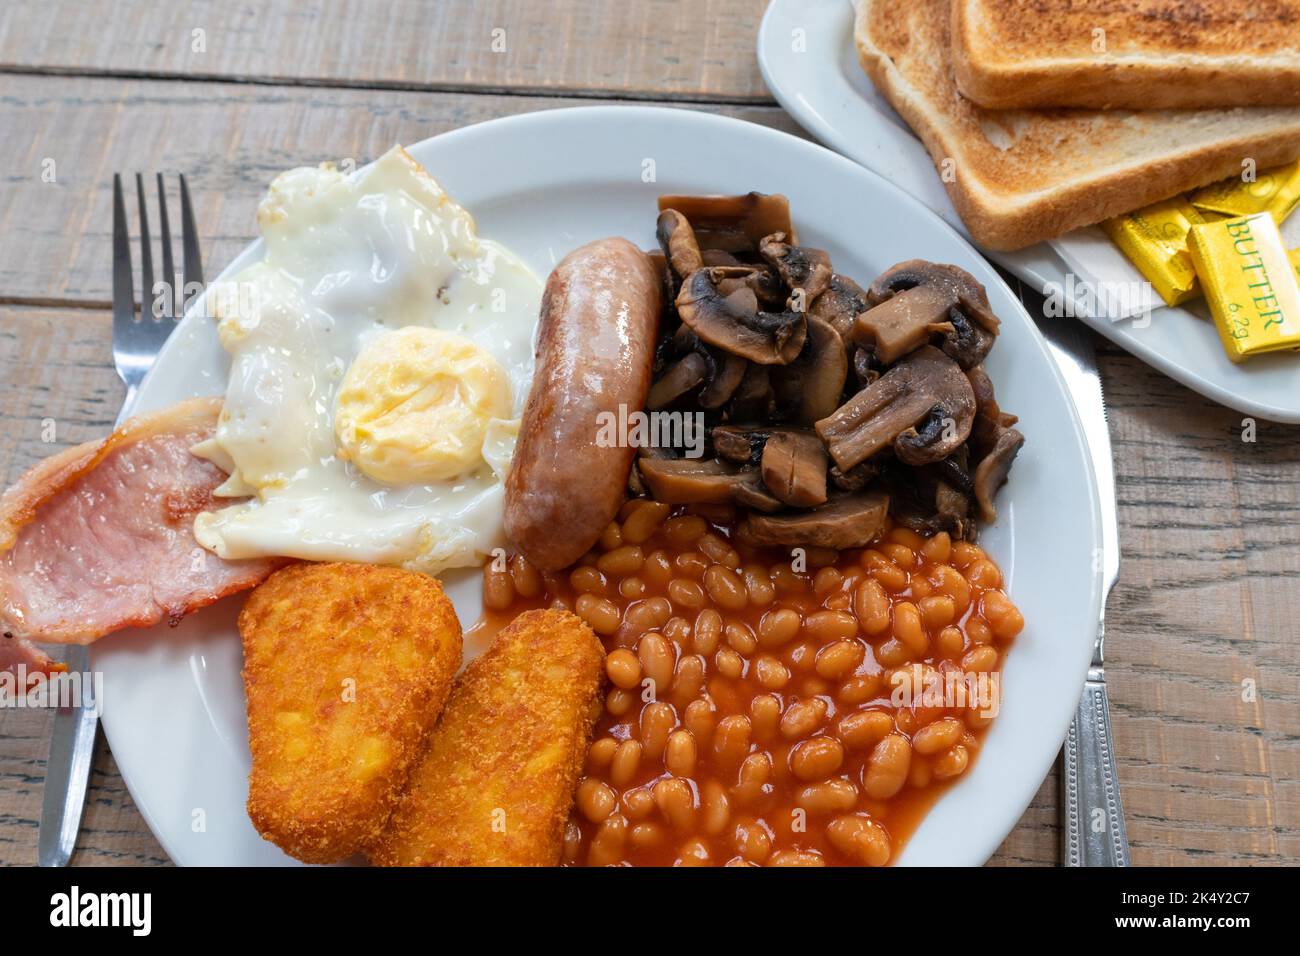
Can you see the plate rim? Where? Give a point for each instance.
(983, 848)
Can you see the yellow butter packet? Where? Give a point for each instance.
(1276, 191)
(1155, 240)
(1250, 284)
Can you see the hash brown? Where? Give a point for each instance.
(497, 783)
(346, 668)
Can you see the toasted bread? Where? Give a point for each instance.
(1019, 177)
(1141, 54)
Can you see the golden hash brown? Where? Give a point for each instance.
(497, 783)
(346, 668)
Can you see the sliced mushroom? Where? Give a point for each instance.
(744, 446)
(974, 326)
(852, 521)
(635, 486)
(666, 353)
(733, 223)
(765, 284)
(991, 473)
(717, 257)
(989, 418)
(951, 511)
(742, 299)
(955, 470)
(754, 400)
(688, 481)
(866, 369)
(686, 374)
(904, 322)
(924, 500)
(811, 386)
(923, 406)
(857, 477)
(794, 468)
(807, 272)
(684, 340)
(762, 338)
(726, 371)
(754, 495)
(840, 304)
(947, 509)
(767, 338)
(677, 239)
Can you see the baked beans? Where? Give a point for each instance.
(769, 708)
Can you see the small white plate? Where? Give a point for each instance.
(810, 63)
(543, 183)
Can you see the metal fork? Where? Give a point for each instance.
(136, 343)
(137, 340)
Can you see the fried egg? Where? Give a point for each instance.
(381, 354)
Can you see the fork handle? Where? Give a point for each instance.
(1092, 831)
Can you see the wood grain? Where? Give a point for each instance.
(229, 139)
(1203, 659)
(650, 49)
(59, 390)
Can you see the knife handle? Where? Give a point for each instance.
(1092, 831)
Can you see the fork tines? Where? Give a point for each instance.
(163, 299)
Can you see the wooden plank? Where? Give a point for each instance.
(59, 389)
(1036, 840)
(1210, 529)
(651, 48)
(1207, 599)
(230, 139)
(113, 833)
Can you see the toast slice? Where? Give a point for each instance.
(1019, 177)
(1141, 54)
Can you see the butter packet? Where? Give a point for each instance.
(1276, 191)
(1250, 284)
(1155, 240)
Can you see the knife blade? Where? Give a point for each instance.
(67, 772)
(1092, 814)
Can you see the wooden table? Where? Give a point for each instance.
(1204, 664)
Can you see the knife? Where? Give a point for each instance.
(1092, 815)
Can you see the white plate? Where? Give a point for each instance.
(808, 59)
(544, 183)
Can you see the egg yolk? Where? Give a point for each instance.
(415, 405)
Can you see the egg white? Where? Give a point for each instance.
(349, 257)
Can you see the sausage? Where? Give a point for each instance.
(595, 348)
